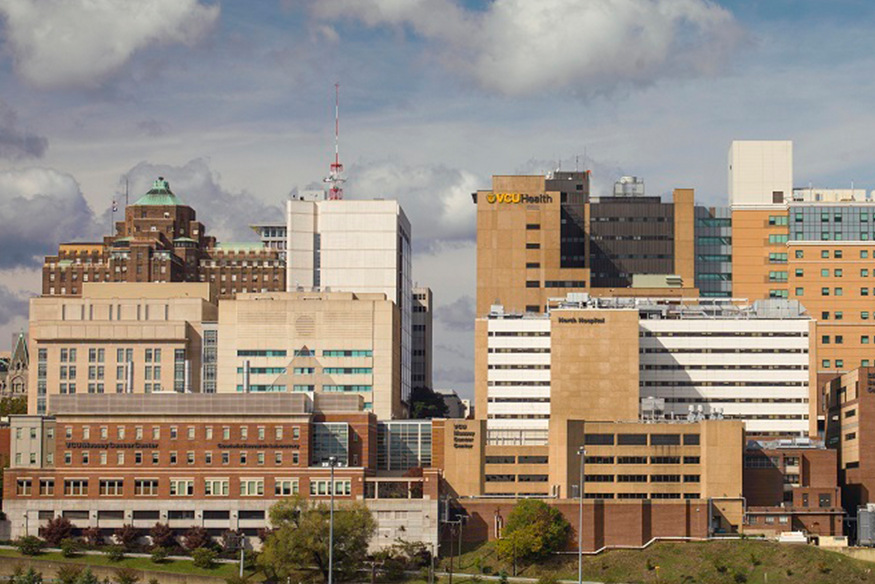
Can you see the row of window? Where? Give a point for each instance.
(642, 460)
(641, 439)
(173, 457)
(121, 432)
(304, 353)
(183, 487)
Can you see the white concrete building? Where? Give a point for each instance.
(356, 246)
(753, 363)
(518, 397)
(760, 172)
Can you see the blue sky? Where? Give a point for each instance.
(233, 102)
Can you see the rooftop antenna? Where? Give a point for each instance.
(335, 193)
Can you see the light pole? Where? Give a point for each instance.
(582, 453)
(332, 462)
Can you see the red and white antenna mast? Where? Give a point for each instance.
(334, 178)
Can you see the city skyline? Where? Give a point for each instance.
(233, 104)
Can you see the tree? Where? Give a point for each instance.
(196, 537)
(86, 576)
(162, 536)
(92, 536)
(57, 530)
(230, 540)
(126, 576)
(533, 530)
(127, 536)
(69, 547)
(299, 541)
(29, 577)
(68, 574)
(13, 405)
(425, 403)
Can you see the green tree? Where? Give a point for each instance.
(204, 557)
(13, 405)
(68, 574)
(425, 403)
(534, 530)
(29, 577)
(86, 576)
(126, 576)
(300, 541)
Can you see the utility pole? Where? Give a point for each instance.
(332, 462)
(582, 453)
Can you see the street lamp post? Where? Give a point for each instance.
(582, 453)
(332, 462)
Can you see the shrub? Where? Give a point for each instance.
(754, 560)
(236, 579)
(115, 553)
(548, 579)
(154, 581)
(86, 576)
(196, 537)
(69, 547)
(126, 576)
(57, 530)
(127, 536)
(69, 574)
(204, 558)
(92, 536)
(650, 565)
(162, 536)
(159, 554)
(29, 545)
(740, 577)
(502, 577)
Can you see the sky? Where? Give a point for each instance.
(233, 102)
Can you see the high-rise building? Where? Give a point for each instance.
(423, 336)
(809, 244)
(596, 359)
(118, 338)
(360, 246)
(313, 342)
(541, 237)
(160, 240)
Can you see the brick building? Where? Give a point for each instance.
(161, 240)
(792, 486)
(217, 461)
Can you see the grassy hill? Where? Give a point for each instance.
(730, 562)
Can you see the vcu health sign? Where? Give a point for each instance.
(516, 198)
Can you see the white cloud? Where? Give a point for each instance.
(520, 47)
(39, 208)
(436, 199)
(17, 143)
(70, 43)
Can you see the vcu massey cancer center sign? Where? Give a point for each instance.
(516, 198)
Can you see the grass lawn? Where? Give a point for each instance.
(174, 566)
(731, 562)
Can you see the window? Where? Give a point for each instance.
(181, 487)
(840, 363)
(837, 254)
(146, 487)
(278, 433)
(174, 432)
(665, 439)
(598, 439)
(824, 500)
(800, 291)
(800, 254)
(632, 439)
(244, 433)
(208, 457)
(251, 487)
(155, 454)
(838, 273)
(243, 456)
(321, 487)
(839, 314)
(259, 458)
(47, 487)
(285, 487)
(226, 433)
(156, 432)
(216, 487)
(76, 487)
(189, 457)
(111, 487)
(277, 458)
(23, 487)
(533, 226)
(824, 254)
(824, 291)
(209, 432)
(296, 433)
(191, 432)
(825, 364)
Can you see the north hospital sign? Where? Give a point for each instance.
(516, 198)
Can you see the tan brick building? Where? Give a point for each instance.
(160, 240)
(322, 342)
(540, 237)
(119, 338)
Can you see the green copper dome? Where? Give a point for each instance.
(159, 195)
